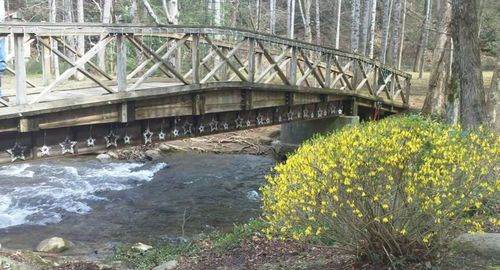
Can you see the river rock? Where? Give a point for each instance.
(54, 245)
(170, 265)
(166, 148)
(153, 154)
(113, 155)
(103, 157)
(486, 245)
(141, 247)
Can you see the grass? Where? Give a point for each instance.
(218, 240)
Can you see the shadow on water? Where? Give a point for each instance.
(98, 205)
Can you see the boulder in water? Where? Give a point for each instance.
(153, 154)
(103, 157)
(170, 265)
(54, 245)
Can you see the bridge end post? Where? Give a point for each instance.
(20, 66)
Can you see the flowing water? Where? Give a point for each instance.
(98, 205)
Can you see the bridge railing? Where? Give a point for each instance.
(181, 55)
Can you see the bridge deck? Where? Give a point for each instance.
(183, 81)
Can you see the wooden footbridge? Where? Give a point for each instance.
(169, 82)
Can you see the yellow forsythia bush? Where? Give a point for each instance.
(399, 188)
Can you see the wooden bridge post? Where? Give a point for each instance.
(293, 67)
(195, 54)
(328, 71)
(20, 66)
(46, 65)
(121, 62)
(251, 60)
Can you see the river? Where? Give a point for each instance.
(99, 205)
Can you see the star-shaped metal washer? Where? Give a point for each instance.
(225, 126)
(45, 150)
(175, 132)
(260, 119)
(161, 135)
(305, 113)
(214, 125)
(111, 139)
(289, 115)
(68, 146)
(126, 139)
(201, 128)
(187, 127)
(90, 142)
(17, 152)
(239, 122)
(148, 136)
(249, 123)
(320, 113)
(340, 111)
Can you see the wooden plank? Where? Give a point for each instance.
(225, 58)
(76, 66)
(90, 63)
(149, 60)
(272, 62)
(273, 65)
(20, 69)
(313, 68)
(162, 61)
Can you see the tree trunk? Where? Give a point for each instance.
(53, 19)
(217, 4)
(493, 99)
(337, 33)
(396, 18)
(423, 36)
(81, 38)
(435, 100)
(307, 21)
(385, 31)
(105, 18)
(272, 10)
(2, 10)
(365, 26)
(373, 21)
(68, 18)
(402, 36)
(318, 23)
(149, 10)
(467, 63)
(171, 9)
(356, 10)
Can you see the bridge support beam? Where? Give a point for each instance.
(293, 134)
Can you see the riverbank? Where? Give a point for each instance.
(211, 191)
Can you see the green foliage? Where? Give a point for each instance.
(153, 257)
(240, 232)
(389, 191)
(158, 255)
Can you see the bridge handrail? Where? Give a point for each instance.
(44, 28)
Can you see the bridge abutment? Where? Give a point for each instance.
(293, 134)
